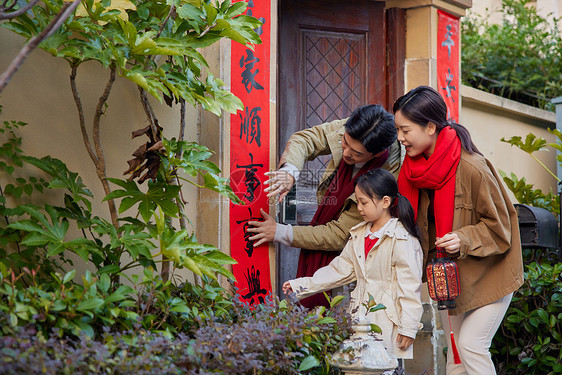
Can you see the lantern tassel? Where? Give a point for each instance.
(456, 355)
(455, 351)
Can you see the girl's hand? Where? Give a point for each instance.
(280, 182)
(450, 242)
(287, 287)
(265, 230)
(404, 342)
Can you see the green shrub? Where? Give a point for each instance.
(530, 338)
(526, 193)
(91, 307)
(271, 338)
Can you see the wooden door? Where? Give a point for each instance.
(334, 56)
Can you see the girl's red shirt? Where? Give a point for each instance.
(369, 244)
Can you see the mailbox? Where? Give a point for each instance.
(538, 227)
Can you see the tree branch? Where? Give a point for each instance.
(59, 19)
(17, 13)
(182, 119)
(100, 165)
(7, 6)
(5, 216)
(181, 136)
(80, 109)
(172, 10)
(149, 112)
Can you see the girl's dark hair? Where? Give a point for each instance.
(373, 127)
(378, 183)
(423, 105)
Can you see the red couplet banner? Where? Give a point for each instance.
(448, 67)
(249, 156)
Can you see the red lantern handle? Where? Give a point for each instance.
(440, 253)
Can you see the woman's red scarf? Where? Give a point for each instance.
(341, 187)
(437, 173)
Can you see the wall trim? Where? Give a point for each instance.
(483, 98)
(455, 7)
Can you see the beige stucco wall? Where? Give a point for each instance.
(40, 95)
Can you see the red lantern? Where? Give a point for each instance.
(444, 286)
(443, 280)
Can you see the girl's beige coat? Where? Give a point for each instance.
(391, 274)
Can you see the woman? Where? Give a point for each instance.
(364, 141)
(462, 207)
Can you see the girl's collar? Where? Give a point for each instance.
(360, 228)
(378, 233)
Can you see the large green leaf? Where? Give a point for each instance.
(308, 363)
(69, 276)
(55, 248)
(90, 304)
(220, 257)
(35, 239)
(190, 264)
(236, 9)
(26, 225)
(530, 145)
(211, 268)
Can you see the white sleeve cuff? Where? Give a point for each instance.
(284, 234)
(411, 333)
(290, 169)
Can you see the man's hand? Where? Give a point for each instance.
(265, 230)
(280, 182)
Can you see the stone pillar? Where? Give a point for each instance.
(213, 132)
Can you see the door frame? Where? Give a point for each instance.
(392, 58)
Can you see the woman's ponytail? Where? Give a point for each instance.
(402, 209)
(466, 139)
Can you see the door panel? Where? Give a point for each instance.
(332, 74)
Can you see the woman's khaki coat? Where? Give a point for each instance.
(391, 274)
(490, 260)
(325, 139)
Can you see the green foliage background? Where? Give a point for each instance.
(519, 59)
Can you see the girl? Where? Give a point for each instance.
(385, 258)
(462, 207)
